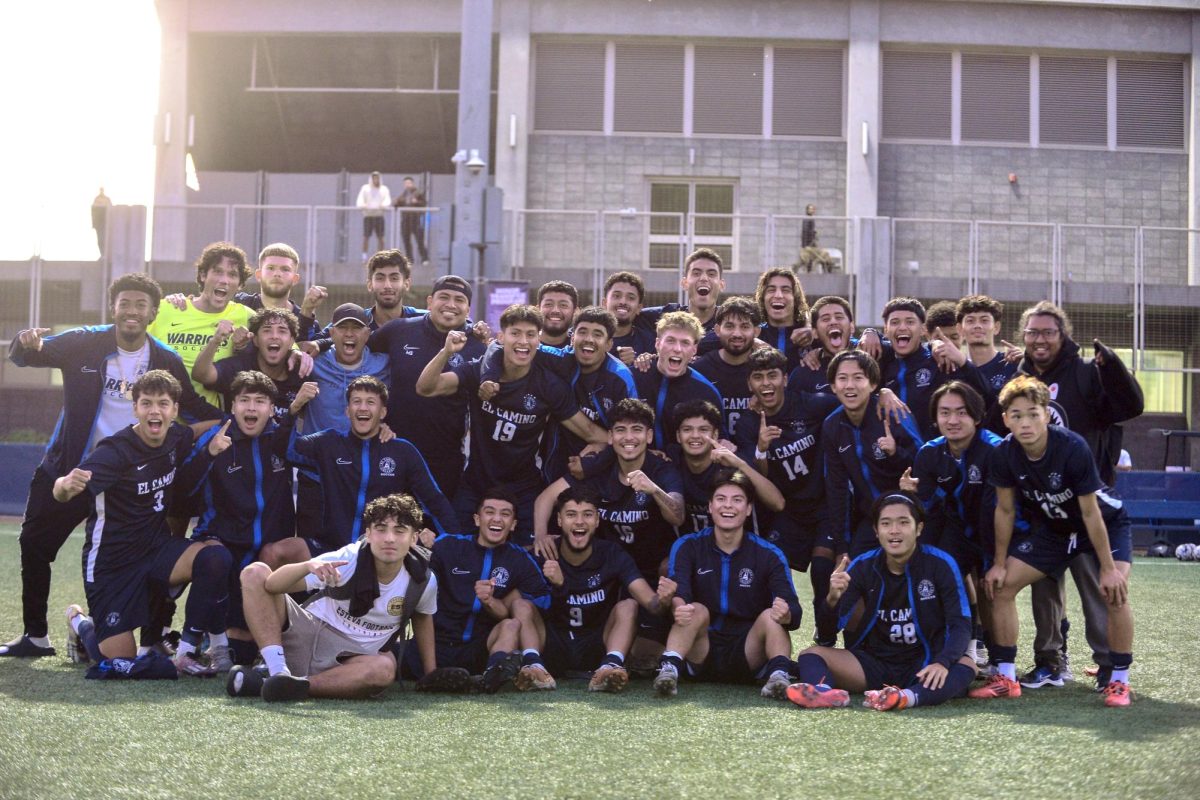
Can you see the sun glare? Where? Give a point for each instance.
(80, 94)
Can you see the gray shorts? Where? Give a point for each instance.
(311, 646)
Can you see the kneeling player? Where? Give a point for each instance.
(336, 644)
(733, 600)
(1070, 513)
(586, 624)
(916, 635)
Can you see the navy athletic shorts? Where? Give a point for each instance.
(1050, 552)
(797, 530)
(726, 661)
(572, 651)
(119, 599)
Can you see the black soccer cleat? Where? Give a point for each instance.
(284, 687)
(452, 680)
(495, 676)
(244, 681)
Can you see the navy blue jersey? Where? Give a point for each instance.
(131, 485)
(247, 488)
(969, 500)
(648, 318)
(309, 327)
(697, 491)
(794, 459)
(435, 425)
(634, 518)
(663, 395)
(732, 384)
(353, 472)
(1048, 489)
(507, 430)
(228, 368)
(998, 371)
(589, 591)
(816, 381)
(734, 587)
(459, 561)
(915, 377)
(781, 340)
(856, 469)
(922, 617)
(638, 338)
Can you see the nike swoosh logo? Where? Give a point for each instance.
(176, 324)
(844, 449)
(87, 369)
(234, 468)
(945, 480)
(821, 386)
(1021, 477)
(344, 462)
(142, 467)
(457, 571)
(703, 571)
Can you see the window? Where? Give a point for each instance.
(1164, 390)
(665, 250)
(1150, 104)
(729, 90)
(995, 98)
(1073, 101)
(807, 96)
(916, 95)
(648, 88)
(569, 86)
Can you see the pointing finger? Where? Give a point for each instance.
(844, 564)
(225, 427)
(887, 426)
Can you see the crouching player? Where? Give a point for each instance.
(1070, 513)
(587, 624)
(733, 600)
(129, 549)
(337, 643)
(915, 622)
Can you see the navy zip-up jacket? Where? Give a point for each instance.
(663, 394)
(247, 488)
(459, 561)
(935, 592)
(81, 354)
(915, 377)
(354, 471)
(969, 500)
(735, 587)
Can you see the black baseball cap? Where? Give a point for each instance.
(350, 311)
(453, 283)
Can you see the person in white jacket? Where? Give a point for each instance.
(374, 199)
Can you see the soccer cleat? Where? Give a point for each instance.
(220, 658)
(23, 647)
(889, 698)
(185, 664)
(996, 686)
(76, 652)
(244, 682)
(501, 673)
(817, 695)
(609, 678)
(1117, 694)
(667, 682)
(981, 654)
(534, 676)
(776, 686)
(452, 680)
(1103, 678)
(1041, 676)
(284, 686)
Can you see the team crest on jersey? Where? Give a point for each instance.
(745, 576)
(593, 581)
(1025, 547)
(276, 464)
(772, 536)
(998, 381)
(455, 360)
(530, 402)
(500, 577)
(925, 589)
(395, 606)
(639, 498)
(974, 474)
(387, 466)
(798, 426)
(1055, 480)
(876, 450)
(171, 455)
(924, 376)
(113, 619)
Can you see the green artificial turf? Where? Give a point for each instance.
(62, 736)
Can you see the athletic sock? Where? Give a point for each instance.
(615, 657)
(819, 570)
(910, 697)
(186, 647)
(40, 641)
(218, 640)
(208, 599)
(497, 658)
(273, 657)
(811, 668)
(779, 664)
(1120, 666)
(1005, 659)
(86, 631)
(957, 681)
(530, 657)
(674, 659)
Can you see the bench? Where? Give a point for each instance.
(1164, 504)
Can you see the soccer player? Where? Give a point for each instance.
(624, 293)
(832, 321)
(356, 467)
(221, 271)
(977, 318)
(588, 623)
(1050, 471)
(737, 327)
(733, 601)
(278, 271)
(940, 320)
(99, 366)
(672, 380)
(907, 650)
(507, 429)
(557, 300)
(389, 276)
(337, 644)
(489, 593)
(273, 331)
(333, 370)
(784, 309)
(703, 281)
(128, 547)
(434, 425)
(246, 484)
(864, 456)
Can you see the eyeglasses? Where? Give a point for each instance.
(1043, 333)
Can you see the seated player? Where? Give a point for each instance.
(864, 455)
(672, 380)
(246, 484)
(356, 467)
(272, 334)
(784, 309)
(623, 296)
(506, 430)
(489, 593)
(128, 549)
(733, 601)
(907, 650)
(337, 644)
(587, 622)
(1070, 514)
